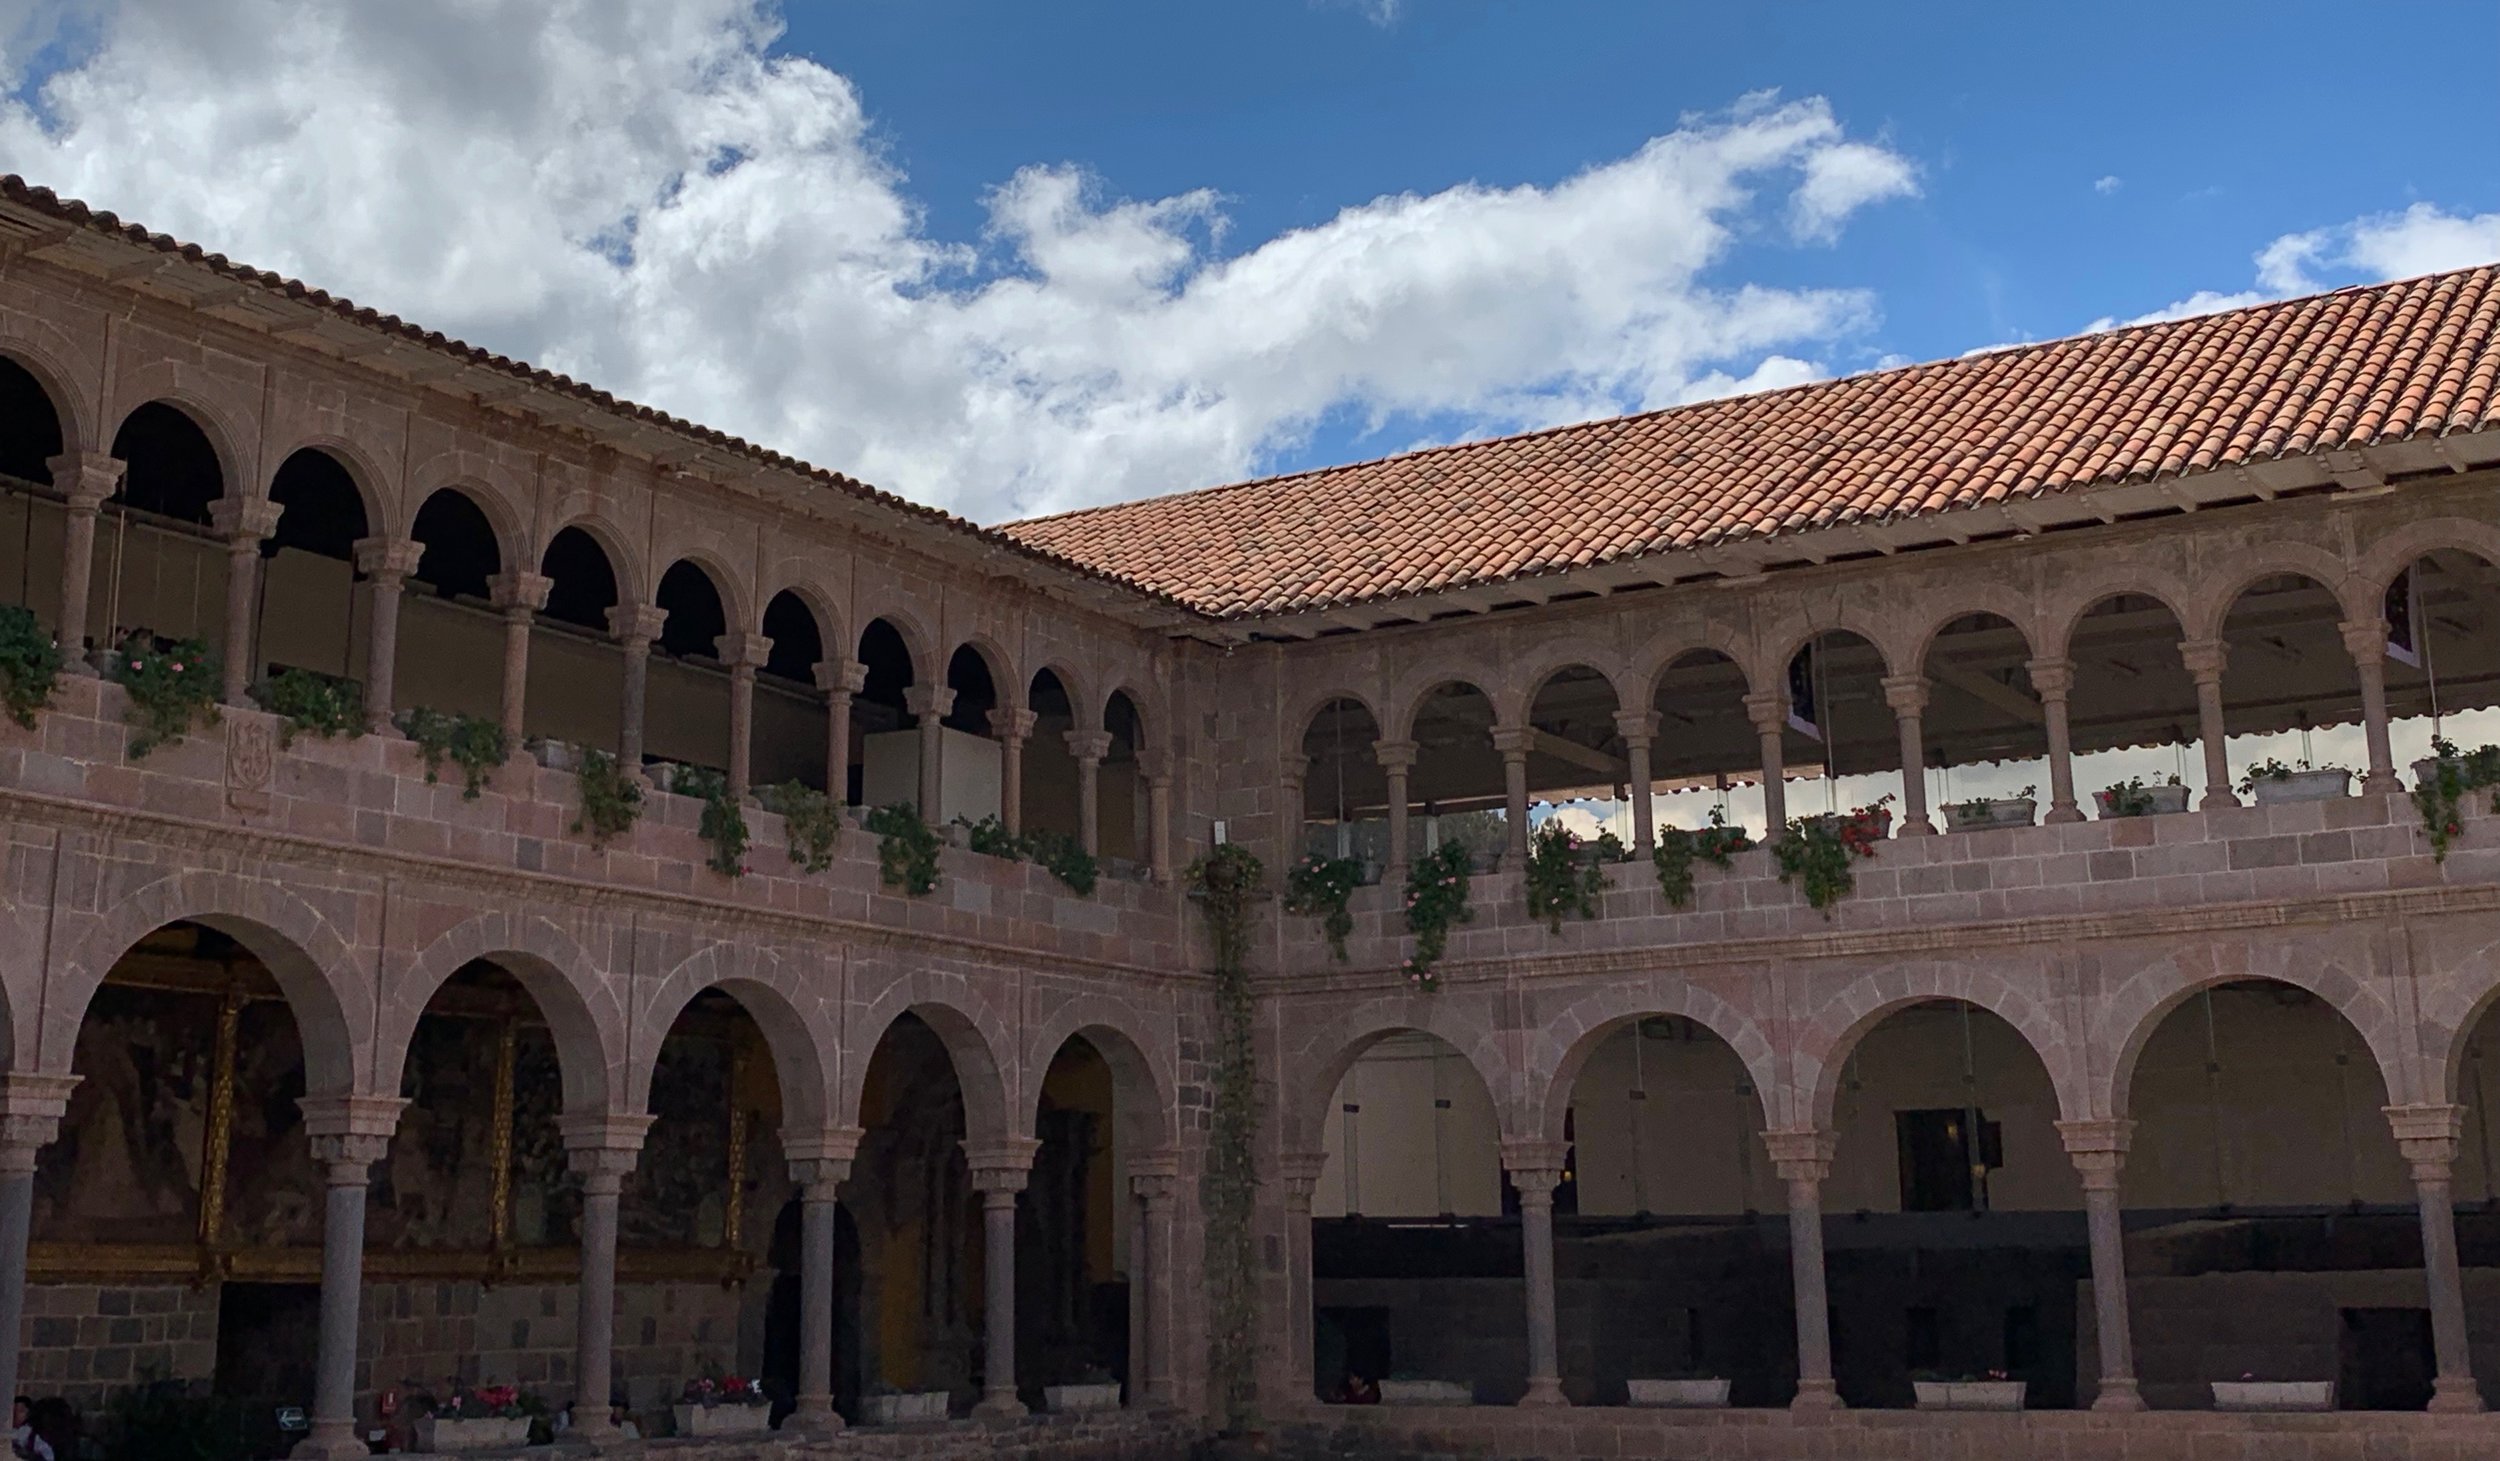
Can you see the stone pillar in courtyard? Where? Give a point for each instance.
(1089, 747)
(1300, 1171)
(2098, 1149)
(1000, 1168)
(1397, 761)
(820, 1161)
(1639, 729)
(2053, 680)
(1157, 770)
(2204, 659)
(1013, 728)
(2366, 642)
(929, 704)
(1907, 695)
(518, 596)
(386, 564)
(2427, 1135)
(1803, 1156)
(1513, 741)
(1768, 710)
(31, 1107)
(634, 626)
(85, 480)
(840, 679)
(1536, 1169)
(1154, 1181)
(744, 654)
(349, 1134)
(244, 523)
(601, 1149)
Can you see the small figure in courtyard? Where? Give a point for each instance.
(23, 1442)
(1355, 1390)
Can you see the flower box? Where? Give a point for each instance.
(2274, 1394)
(724, 1420)
(2157, 801)
(1680, 1394)
(1970, 1394)
(556, 755)
(1074, 1399)
(441, 1435)
(2012, 811)
(918, 1408)
(1427, 1392)
(2324, 784)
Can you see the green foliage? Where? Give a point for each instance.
(1436, 902)
(2128, 798)
(724, 824)
(990, 838)
(30, 665)
(611, 800)
(1817, 852)
(172, 686)
(1066, 859)
(1566, 875)
(2452, 775)
(2273, 769)
(1678, 849)
(810, 822)
(1320, 886)
(907, 849)
(162, 1420)
(471, 742)
(1226, 881)
(308, 702)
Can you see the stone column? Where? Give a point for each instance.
(1300, 1171)
(1157, 769)
(2366, 642)
(2427, 1135)
(1907, 695)
(999, 1171)
(929, 704)
(1639, 729)
(1292, 807)
(349, 1134)
(244, 523)
(1013, 728)
(820, 1161)
(386, 564)
(519, 595)
(1397, 760)
(840, 679)
(600, 1149)
(1154, 1177)
(1803, 1156)
(31, 1107)
(635, 626)
(2204, 659)
(1089, 747)
(2052, 680)
(744, 654)
(1536, 1168)
(2098, 1149)
(85, 481)
(1769, 712)
(1513, 742)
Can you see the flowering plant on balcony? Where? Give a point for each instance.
(1678, 848)
(1436, 901)
(810, 823)
(907, 849)
(611, 800)
(471, 742)
(310, 703)
(1816, 852)
(480, 1402)
(30, 665)
(2441, 784)
(718, 1389)
(1562, 877)
(1321, 885)
(172, 686)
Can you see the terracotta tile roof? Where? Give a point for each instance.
(2347, 369)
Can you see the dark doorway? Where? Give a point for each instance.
(1939, 1170)
(267, 1336)
(2388, 1363)
(781, 1314)
(1349, 1341)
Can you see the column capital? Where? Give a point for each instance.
(1906, 694)
(2051, 679)
(636, 625)
(740, 650)
(1637, 727)
(244, 521)
(1156, 1190)
(1514, 741)
(347, 1160)
(1767, 709)
(929, 702)
(1012, 726)
(519, 589)
(2428, 1135)
(1532, 1156)
(844, 677)
(1801, 1153)
(388, 560)
(2365, 640)
(351, 1115)
(2098, 1148)
(1160, 1162)
(86, 478)
(1293, 770)
(601, 1147)
(31, 1107)
(1394, 755)
(2204, 658)
(1000, 1164)
(1089, 745)
(820, 1156)
(1301, 1173)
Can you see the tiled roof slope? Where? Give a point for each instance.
(2335, 371)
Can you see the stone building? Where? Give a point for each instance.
(2131, 1041)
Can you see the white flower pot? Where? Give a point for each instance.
(919, 1408)
(2161, 800)
(438, 1435)
(2274, 1394)
(2012, 811)
(557, 755)
(1680, 1394)
(1427, 1392)
(2302, 786)
(724, 1420)
(1070, 1399)
(1969, 1394)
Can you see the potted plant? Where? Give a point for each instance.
(885, 1405)
(475, 1418)
(2250, 1393)
(2272, 781)
(2132, 798)
(553, 754)
(2441, 782)
(1992, 1391)
(1691, 1390)
(723, 1405)
(1098, 1390)
(2018, 810)
(1414, 1390)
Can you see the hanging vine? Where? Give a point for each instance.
(30, 665)
(1565, 874)
(1818, 852)
(1226, 883)
(1320, 886)
(1436, 901)
(611, 800)
(2442, 787)
(907, 849)
(1678, 849)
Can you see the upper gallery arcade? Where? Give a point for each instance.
(751, 1113)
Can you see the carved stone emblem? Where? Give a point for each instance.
(251, 758)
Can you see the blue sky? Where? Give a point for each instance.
(1017, 257)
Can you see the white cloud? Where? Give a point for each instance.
(2108, 184)
(2424, 239)
(644, 194)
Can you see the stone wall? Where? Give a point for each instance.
(83, 1341)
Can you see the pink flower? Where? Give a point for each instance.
(177, 667)
(136, 666)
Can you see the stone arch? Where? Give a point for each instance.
(1005, 682)
(1773, 671)
(1652, 671)
(778, 993)
(634, 582)
(1072, 683)
(1561, 1045)
(2012, 606)
(1828, 1036)
(582, 1008)
(2057, 624)
(1140, 1061)
(2131, 1012)
(918, 642)
(2451, 1010)
(737, 609)
(1148, 708)
(2269, 560)
(76, 408)
(498, 513)
(976, 1036)
(1340, 1040)
(1519, 697)
(1407, 700)
(832, 630)
(2407, 545)
(226, 437)
(303, 947)
(1305, 708)
(353, 459)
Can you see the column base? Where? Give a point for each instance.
(1917, 826)
(2059, 816)
(999, 1405)
(593, 1432)
(2215, 799)
(1543, 1391)
(331, 1440)
(2119, 1395)
(1817, 1395)
(2456, 1395)
(813, 1422)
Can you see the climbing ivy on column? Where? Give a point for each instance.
(1226, 883)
